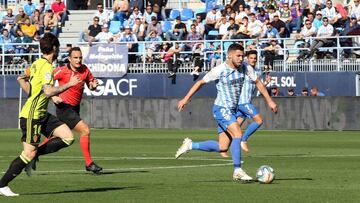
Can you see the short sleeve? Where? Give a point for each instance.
(57, 73)
(213, 74)
(251, 73)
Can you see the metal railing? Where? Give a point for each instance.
(12, 63)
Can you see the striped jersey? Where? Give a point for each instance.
(41, 73)
(249, 88)
(228, 83)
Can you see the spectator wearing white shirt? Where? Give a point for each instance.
(139, 29)
(325, 31)
(222, 26)
(211, 18)
(330, 12)
(104, 15)
(304, 36)
(104, 35)
(254, 26)
(134, 15)
(355, 10)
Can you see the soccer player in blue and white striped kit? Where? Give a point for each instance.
(229, 78)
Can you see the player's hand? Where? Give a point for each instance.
(182, 103)
(273, 107)
(56, 99)
(74, 80)
(94, 84)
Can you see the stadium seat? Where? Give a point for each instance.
(141, 50)
(174, 14)
(213, 34)
(166, 26)
(114, 27)
(187, 14)
(226, 46)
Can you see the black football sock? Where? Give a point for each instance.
(14, 170)
(53, 145)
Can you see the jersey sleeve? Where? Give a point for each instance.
(213, 74)
(251, 73)
(46, 75)
(57, 73)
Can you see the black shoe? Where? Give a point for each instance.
(31, 166)
(94, 168)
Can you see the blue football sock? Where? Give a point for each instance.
(208, 146)
(250, 130)
(236, 152)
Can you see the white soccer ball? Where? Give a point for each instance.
(265, 174)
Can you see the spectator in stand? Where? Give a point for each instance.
(279, 25)
(272, 12)
(128, 36)
(20, 39)
(154, 43)
(139, 4)
(271, 32)
(200, 28)
(262, 16)
(60, 11)
(291, 92)
(192, 36)
(103, 15)
(272, 52)
(243, 31)
(314, 92)
(275, 91)
(211, 18)
(120, 9)
(222, 25)
(285, 14)
(315, 5)
(178, 32)
(254, 27)
(43, 7)
(154, 25)
(227, 11)
(134, 15)
(306, 32)
(305, 92)
(355, 10)
(103, 36)
(325, 31)
(232, 29)
(139, 29)
(317, 23)
(240, 14)
(20, 18)
(29, 7)
(148, 14)
(235, 4)
(198, 59)
(173, 62)
(51, 21)
(330, 12)
(28, 29)
(92, 31)
(351, 28)
(37, 19)
(6, 39)
(9, 20)
(342, 14)
(296, 15)
(159, 8)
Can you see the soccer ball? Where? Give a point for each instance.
(265, 174)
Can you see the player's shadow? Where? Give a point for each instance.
(88, 173)
(231, 181)
(101, 189)
(281, 179)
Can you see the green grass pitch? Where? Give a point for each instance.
(139, 165)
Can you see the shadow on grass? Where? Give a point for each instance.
(89, 173)
(232, 181)
(101, 189)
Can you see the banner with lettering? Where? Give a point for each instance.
(106, 60)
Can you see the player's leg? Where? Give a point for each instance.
(30, 137)
(224, 143)
(84, 131)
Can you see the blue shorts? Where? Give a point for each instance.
(224, 117)
(246, 111)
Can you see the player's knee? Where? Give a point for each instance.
(27, 156)
(85, 131)
(69, 140)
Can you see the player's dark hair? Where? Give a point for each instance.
(48, 42)
(234, 47)
(251, 52)
(74, 49)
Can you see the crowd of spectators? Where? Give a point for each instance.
(28, 24)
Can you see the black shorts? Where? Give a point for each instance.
(68, 114)
(33, 128)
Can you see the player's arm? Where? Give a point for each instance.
(50, 90)
(262, 89)
(23, 80)
(93, 84)
(182, 103)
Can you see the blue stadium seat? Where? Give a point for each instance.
(114, 27)
(187, 14)
(226, 46)
(213, 34)
(174, 14)
(141, 51)
(166, 26)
